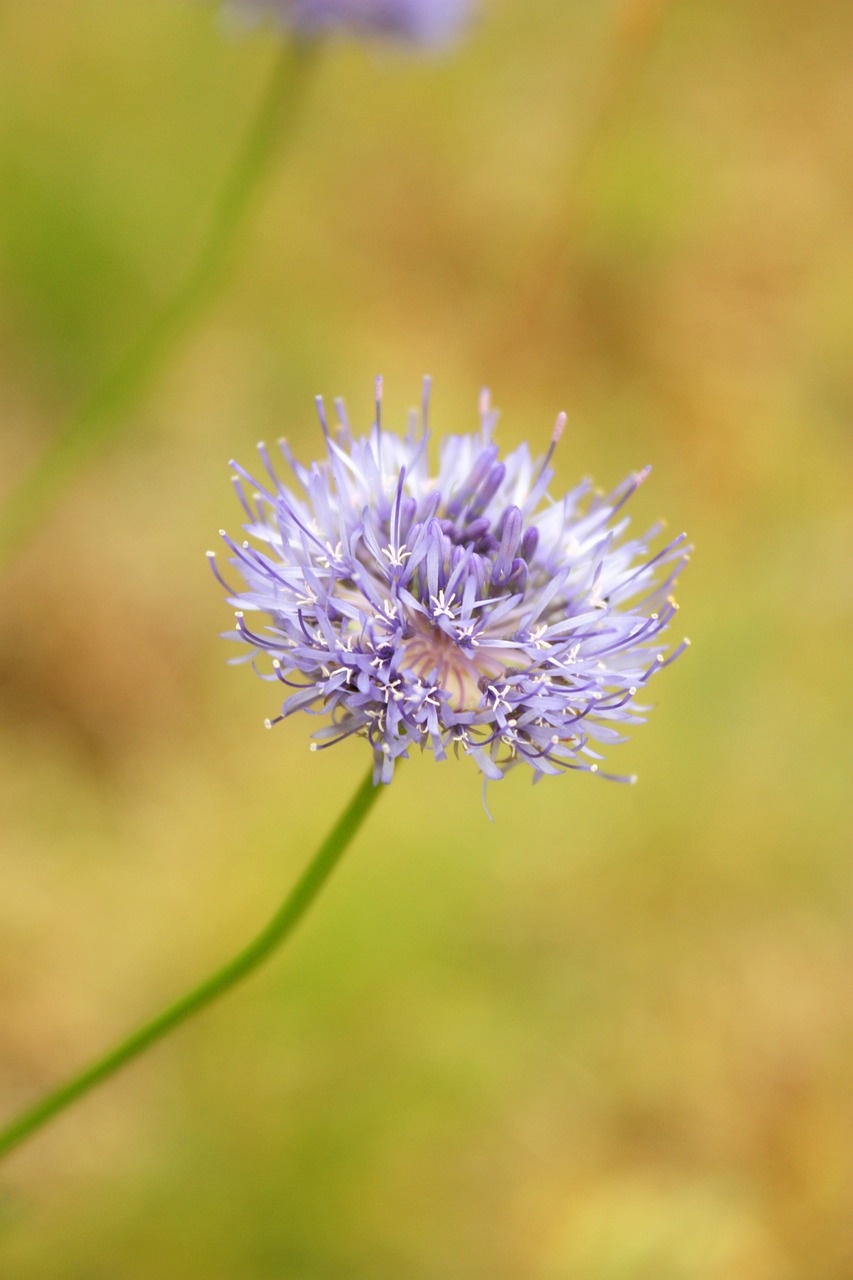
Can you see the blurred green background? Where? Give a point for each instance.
(609, 1036)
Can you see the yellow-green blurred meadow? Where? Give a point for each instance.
(610, 1035)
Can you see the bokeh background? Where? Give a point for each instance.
(608, 1036)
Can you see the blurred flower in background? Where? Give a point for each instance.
(429, 22)
(462, 611)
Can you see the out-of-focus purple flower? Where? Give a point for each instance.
(460, 609)
(428, 22)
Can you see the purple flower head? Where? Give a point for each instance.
(459, 609)
(427, 22)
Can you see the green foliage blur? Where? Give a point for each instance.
(608, 1036)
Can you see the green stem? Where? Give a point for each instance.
(245, 962)
(106, 412)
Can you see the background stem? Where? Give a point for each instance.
(106, 412)
(245, 962)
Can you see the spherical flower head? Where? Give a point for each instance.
(424, 22)
(462, 609)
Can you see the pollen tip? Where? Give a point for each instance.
(238, 613)
(211, 555)
(379, 386)
(559, 426)
(312, 746)
(632, 778)
(593, 768)
(687, 641)
(658, 657)
(222, 533)
(268, 724)
(632, 691)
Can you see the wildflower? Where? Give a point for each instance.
(464, 610)
(428, 22)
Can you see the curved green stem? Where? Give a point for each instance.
(99, 419)
(245, 962)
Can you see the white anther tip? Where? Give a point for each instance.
(593, 768)
(633, 778)
(211, 555)
(268, 724)
(559, 426)
(312, 746)
(687, 641)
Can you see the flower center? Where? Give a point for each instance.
(431, 654)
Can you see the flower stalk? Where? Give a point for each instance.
(223, 979)
(107, 411)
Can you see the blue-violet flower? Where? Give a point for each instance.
(427, 22)
(462, 609)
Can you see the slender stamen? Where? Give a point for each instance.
(559, 428)
(321, 414)
(425, 395)
(378, 395)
